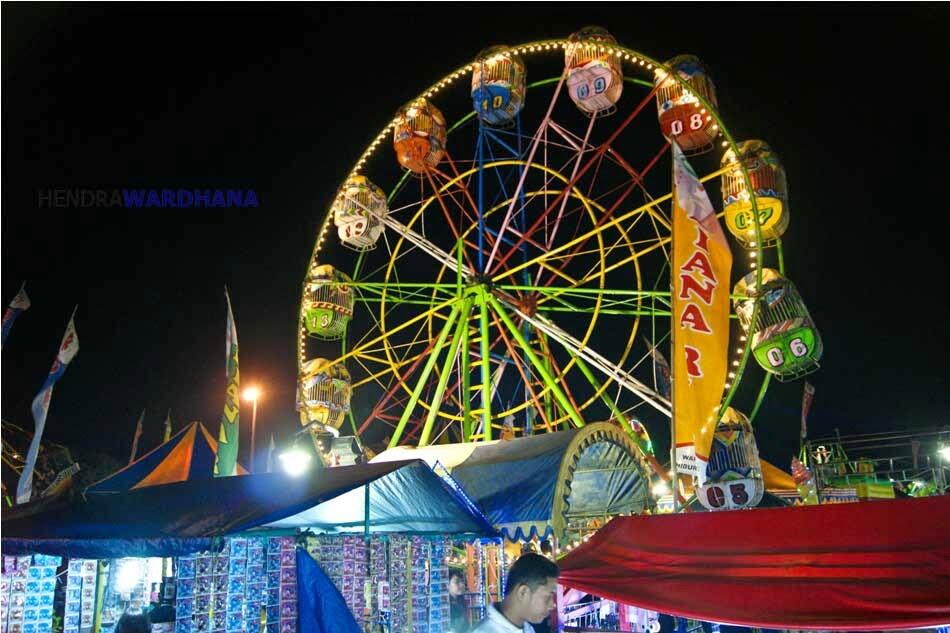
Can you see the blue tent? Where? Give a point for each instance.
(545, 484)
(179, 518)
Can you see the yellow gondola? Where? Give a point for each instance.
(324, 396)
(768, 187)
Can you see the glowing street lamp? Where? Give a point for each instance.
(945, 452)
(252, 394)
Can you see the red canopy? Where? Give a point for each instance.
(876, 565)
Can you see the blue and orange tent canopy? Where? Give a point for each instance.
(186, 456)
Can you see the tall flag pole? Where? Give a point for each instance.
(225, 463)
(20, 303)
(702, 263)
(67, 350)
(138, 434)
(168, 426)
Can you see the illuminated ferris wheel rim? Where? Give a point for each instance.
(628, 58)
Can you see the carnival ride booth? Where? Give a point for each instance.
(372, 537)
(554, 487)
(562, 485)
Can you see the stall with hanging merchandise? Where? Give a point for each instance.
(378, 532)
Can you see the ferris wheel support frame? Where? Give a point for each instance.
(628, 55)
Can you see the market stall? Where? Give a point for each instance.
(378, 531)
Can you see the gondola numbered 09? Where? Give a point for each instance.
(594, 76)
(785, 341)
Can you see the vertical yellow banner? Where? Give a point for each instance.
(701, 266)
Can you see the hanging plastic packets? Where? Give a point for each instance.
(256, 585)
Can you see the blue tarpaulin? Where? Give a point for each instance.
(178, 518)
(320, 606)
(537, 484)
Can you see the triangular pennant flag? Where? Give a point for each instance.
(68, 349)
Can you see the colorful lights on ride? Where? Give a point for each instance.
(682, 115)
(359, 213)
(768, 187)
(328, 305)
(734, 473)
(419, 136)
(785, 341)
(594, 75)
(498, 86)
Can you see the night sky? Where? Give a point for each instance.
(283, 99)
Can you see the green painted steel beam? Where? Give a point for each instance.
(485, 362)
(536, 362)
(446, 371)
(466, 383)
(426, 370)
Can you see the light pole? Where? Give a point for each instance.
(252, 394)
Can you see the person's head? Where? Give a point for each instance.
(133, 623)
(546, 548)
(456, 583)
(531, 588)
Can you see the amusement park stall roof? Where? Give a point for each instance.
(536, 484)
(177, 518)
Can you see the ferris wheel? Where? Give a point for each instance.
(496, 264)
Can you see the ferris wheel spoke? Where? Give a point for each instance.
(637, 178)
(559, 394)
(573, 179)
(425, 245)
(450, 359)
(580, 172)
(521, 371)
(608, 223)
(535, 142)
(576, 347)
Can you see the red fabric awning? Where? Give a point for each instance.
(876, 565)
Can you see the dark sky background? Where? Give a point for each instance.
(234, 96)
